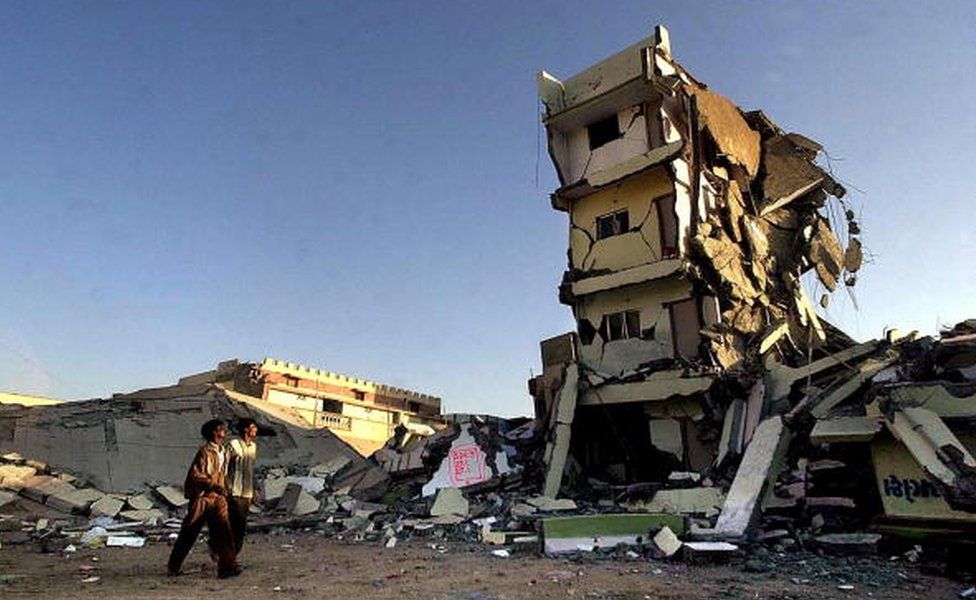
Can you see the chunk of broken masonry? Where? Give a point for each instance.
(708, 552)
(742, 501)
(172, 496)
(106, 506)
(297, 501)
(666, 543)
(449, 501)
(849, 543)
(546, 504)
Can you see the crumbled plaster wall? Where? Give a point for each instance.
(633, 142)
(650, 299)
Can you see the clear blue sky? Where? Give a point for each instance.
(353, 185)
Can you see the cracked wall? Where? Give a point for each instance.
(640, 245)
(611, 358)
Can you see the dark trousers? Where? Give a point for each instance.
(209, 508)
(238, 508)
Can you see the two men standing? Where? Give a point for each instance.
(220, 487)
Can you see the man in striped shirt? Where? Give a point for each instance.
(242, 453)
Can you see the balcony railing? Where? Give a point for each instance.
(333, 421)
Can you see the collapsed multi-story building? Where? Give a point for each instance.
(699, 358)
(691, 225)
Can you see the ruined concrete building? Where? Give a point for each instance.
(362, 413)
(691, 224)
(699, 367)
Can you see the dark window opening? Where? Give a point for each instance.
(413, 407)
(603, 131)
(669, 227)
(620, 326)
(586, 332)
(332, 406)
(613, 224)
(685, 328)
(359, 395)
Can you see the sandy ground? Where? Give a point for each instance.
(307, 565)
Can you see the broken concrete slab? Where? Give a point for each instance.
(708, 552)
(151, 516)
(449, 501)
(557, 449)
(546, 504)
(297, 501)
(704, 501)
(666, 543)
(173, 496)
(860, 544)
(740, 508)
(330, 468)
(73, 500)
(566, 534)
(140, 502)
(845, 429)
(106, 506)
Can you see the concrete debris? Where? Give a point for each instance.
(85, 438)
(566, 534)
(449, 501)
(699, 351)
(172, 495)
(702, 501)
(106, 506)
(849, 543)
(666, 542)
(125, 541)
(296, 500)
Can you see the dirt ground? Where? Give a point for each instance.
(308, 565)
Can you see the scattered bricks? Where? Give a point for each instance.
(140, 502)
(860, 544)
(666, 543)
(106, 506)
(449, 501)
(172, 496)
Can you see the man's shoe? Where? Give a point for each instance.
(174, 572)
(232, 572)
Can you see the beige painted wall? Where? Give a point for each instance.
(612, 358)
(581, 161)
(636, 195)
